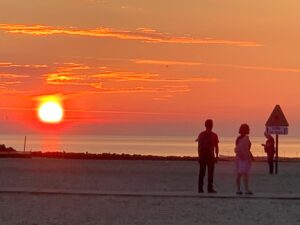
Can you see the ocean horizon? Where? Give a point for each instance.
(144, 145)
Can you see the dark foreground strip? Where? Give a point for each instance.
(152, 195)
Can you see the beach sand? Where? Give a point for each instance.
(53, 191)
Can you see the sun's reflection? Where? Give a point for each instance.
(50, 143)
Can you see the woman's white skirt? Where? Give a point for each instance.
(243, 166)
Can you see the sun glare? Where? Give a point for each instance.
(50, 110)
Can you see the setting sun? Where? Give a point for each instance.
(50, 110)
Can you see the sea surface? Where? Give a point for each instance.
(146, 145)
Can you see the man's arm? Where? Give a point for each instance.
(199, 146)
(198, 150)
(217, 151)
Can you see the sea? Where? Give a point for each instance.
(145, 145)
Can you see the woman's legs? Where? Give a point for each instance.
(238, 182)
(246, 181)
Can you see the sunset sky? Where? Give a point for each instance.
(149, 67)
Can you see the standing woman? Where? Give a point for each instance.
(243, 159)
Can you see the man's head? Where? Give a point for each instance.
(209, 124)
(267, 135)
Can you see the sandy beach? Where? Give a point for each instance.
(51, 191)
(107, 106)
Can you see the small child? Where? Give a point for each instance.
(244, 159)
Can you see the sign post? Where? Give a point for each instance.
(24, 143)
(276, 155)
(277, 124)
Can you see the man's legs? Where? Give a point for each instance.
(201, 175)
(211, 168)
(271, 163)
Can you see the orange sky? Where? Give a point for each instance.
(149, 67)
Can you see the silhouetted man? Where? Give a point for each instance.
(208, 151)
(270, 150)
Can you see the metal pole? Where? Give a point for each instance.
(24, 143)
(276, 155)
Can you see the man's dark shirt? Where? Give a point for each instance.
(269, 146)
(207, 142)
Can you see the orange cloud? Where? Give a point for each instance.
(4, 91)
(264, 68)
(154, 90)
(163, 97)
(141, 34)
(4, 83)
(9, 79)
(245, 67)
(166, 62)
(70, 74)
(103, 80)
(11, 76)
(10, 65)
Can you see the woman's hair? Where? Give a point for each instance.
(244, 129)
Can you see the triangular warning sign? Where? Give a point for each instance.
(277, 118)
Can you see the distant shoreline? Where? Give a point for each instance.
(115, 156)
